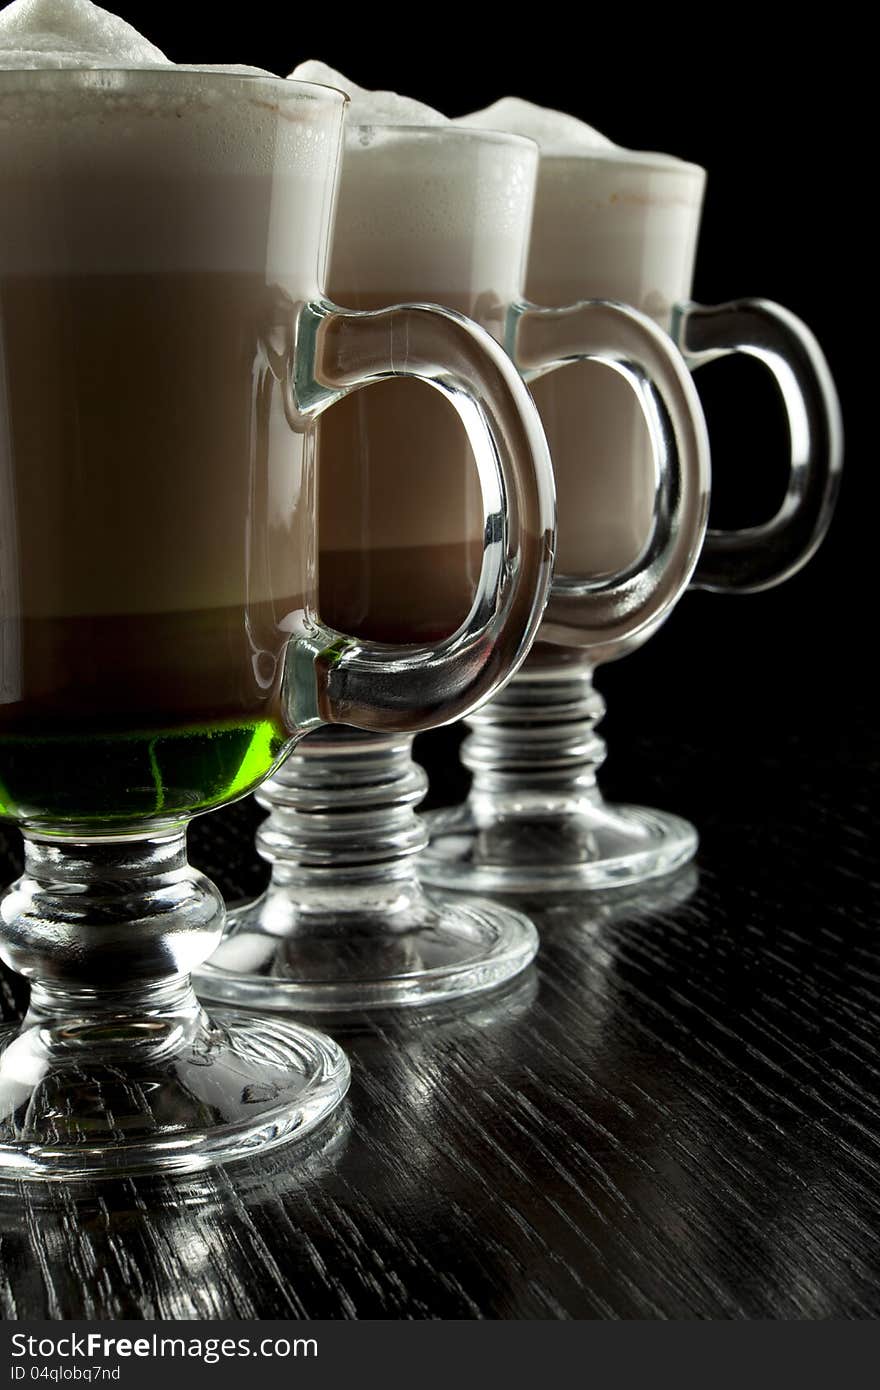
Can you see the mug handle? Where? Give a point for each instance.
(590, 612)
(758, 557)
(337, 679)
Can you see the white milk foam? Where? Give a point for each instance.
(71, 34)
(551, 130)
(367, 107)
(423, 209)
(77, 34)
(557, 133)
(100, 133)
(609, 222)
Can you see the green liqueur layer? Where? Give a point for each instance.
(100, 779)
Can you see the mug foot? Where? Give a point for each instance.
(100, 1095)
(597, 846)
(277, 955)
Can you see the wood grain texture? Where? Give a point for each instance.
(676, 1115)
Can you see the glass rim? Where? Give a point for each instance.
(92, 77)
(639, 159)
(488, 137)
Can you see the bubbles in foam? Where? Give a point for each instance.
(420, 200)
(71, 34)
(43, 34)
(557, 133)
(367, 107)
(553, 131)
(115, 159)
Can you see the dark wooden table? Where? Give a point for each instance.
(676, 1115)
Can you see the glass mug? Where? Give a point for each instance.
(622, 224)
(443, 214)
(165, 349)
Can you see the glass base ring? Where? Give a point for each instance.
(277, 955)
(597, 846)
(104, 1095)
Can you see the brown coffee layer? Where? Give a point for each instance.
(134, 671)
(146, 465)
(407, 594)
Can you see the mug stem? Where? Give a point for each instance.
(536, 746)
(116, 1068)
(536, 820)
(345, 924)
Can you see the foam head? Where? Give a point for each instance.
(432, 213)
(553, 131)
(366, 107)
(425, 210)
(115, 159)
(41, 34)
(609, 222)
(71, 34)
(559, 135)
